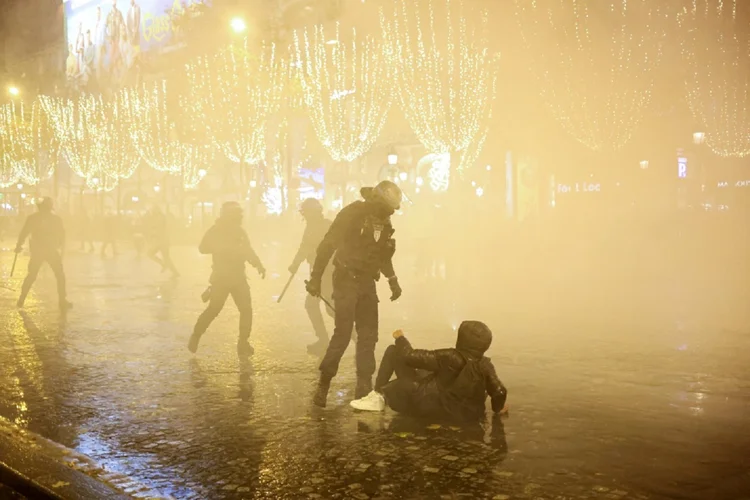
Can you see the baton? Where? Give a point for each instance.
(12, 269)
(283, 292)
(328, 304)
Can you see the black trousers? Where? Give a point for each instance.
(54, 259)
(313, 306)
(356, 303)
(220, 292)
(394, 362)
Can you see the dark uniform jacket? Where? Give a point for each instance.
(362, 242)
(315, 231)
(457, 381)
(46, 231)
(230, 248)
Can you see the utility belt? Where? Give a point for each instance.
(354, 274)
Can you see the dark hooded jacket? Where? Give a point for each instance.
(457, 380)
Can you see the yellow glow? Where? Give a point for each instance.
(446, 86)
(716, 51)
(14, 91)
(28, 148)
(596, 83)
(231, 96)
(238, 25)
(347, 91)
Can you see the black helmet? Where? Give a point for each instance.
(389, 194)
(44, 204)
(231, 209)
(310, 206)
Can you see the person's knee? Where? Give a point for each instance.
(390, 351)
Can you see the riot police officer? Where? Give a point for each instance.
(361, 237)
(45, 245)
(227, 243)
(316, 228)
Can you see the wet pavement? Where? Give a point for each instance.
(600, 412)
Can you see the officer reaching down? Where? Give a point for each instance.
(361, 237)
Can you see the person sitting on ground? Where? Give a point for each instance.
(451, 384)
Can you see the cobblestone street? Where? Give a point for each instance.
(596, 412)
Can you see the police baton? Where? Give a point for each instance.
(13, 268)
(283, 292)
(328, 304)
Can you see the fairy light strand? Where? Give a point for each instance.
(152, 131)
(595, 62)
(231, 97)
(446, 85)
(716, 50)
(94, 135)
(27, 140)
(346, 90)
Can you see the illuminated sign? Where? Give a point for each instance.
(682, 167)
(580, 187)
(106, 38)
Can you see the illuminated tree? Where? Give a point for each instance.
(346, 90)
(595, 62)
(444, 71)
(153, 133)
(28, 143)
(716, 49)
(94, 135)
(231, 97)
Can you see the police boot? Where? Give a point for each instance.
(193, 343)
(364, 387)
(65, 305)
(320, 397)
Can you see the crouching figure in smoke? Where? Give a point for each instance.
(451, 384)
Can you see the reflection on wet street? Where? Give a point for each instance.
(616, 411)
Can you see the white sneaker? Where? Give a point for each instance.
(372, 402)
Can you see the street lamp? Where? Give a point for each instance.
(157, 188)
(19, 186)
(392, 157)
(699, 138)
(644, 164)
(134, 199)
(238, 25)
(403, 176)
(202, 173)
(14, 91)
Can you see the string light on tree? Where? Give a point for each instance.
(595, 61)
(716, 50)
(28, 142)
(232, 96)
(95, 139)
(196, 168)
(153, 134)
(446, 84)
(346, 89)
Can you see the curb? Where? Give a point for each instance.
(24, 485)
(38, 468)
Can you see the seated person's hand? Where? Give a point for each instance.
(397, 334)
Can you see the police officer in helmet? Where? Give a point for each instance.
(316, 228)
(227, 243)
(361, 237)
(45, 245)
